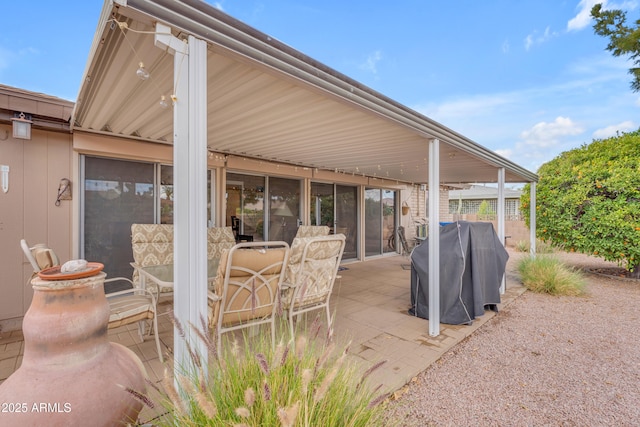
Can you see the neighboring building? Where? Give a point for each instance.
(468, 200)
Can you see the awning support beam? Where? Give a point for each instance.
(501, 220)
(190, 183)
(434, 237)
(532, 218)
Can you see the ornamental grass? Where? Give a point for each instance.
(308, 382)
(547, 274)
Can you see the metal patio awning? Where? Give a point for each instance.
(265, 100)
(240, 92)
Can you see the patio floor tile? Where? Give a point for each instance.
(370, 303)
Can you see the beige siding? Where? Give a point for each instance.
(28, 211)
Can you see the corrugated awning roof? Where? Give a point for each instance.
(265, 100)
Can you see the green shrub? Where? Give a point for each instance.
(588, 200)
(547, 274)
(254, 384)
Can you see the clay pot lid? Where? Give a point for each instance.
(54, 273)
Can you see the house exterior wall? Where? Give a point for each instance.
(445, 216)
(28, 210)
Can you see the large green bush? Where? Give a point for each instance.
(588, 200)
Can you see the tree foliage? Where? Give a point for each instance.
(623, 39)
(588, 200)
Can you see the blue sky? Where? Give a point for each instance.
(527, 79)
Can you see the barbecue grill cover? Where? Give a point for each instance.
(472, 264)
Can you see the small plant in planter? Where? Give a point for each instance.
(253, 384)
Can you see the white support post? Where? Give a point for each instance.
(190, 183)
(501, 220)
(532, 219)
(434, 238)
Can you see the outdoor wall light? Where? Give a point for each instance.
(22, 126)
(141, 72)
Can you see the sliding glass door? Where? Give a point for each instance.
(346, 220)
(284, 208)
(246, 195)
(116, 194)
(336, 206)
(245, 202)
(380, 220)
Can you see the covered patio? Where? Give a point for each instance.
(239, 95)
(370, 305)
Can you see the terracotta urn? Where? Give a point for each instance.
(71, 374)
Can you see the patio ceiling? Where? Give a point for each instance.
(265, 100)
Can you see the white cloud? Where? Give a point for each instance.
(505, 46)
(583, 18)
(536, 38)
(507, 153)
(612, 130)
(217, 5)
(532, 125)
(545, 134)
(371, 62)
(528, 42)
(478, 105)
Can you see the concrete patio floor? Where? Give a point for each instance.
(370, 303)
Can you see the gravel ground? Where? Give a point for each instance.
(542, 361)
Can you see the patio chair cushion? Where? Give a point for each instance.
(248, 295)
(129, 309)
(45, 257)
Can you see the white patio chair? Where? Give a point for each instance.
(311, 274)
(246, 289)
(126, 307)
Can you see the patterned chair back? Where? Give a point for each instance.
(312, 231)
(152, 244)
(313, 264)
(219, 239)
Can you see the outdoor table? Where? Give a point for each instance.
(162, 274)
